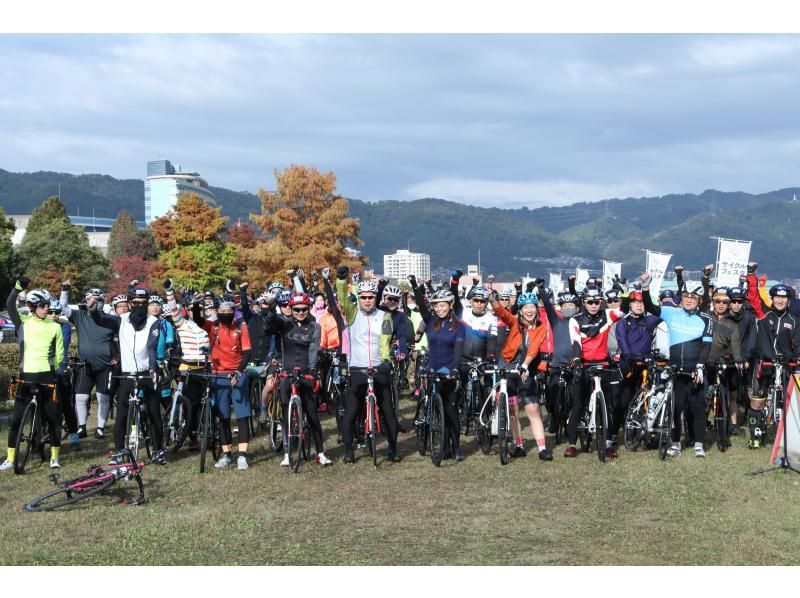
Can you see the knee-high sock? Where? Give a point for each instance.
(104, 401)
(82, 408)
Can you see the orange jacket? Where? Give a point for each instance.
(536, 335)
(329, 339)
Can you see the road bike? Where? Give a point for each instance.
(137, 432)
(776, 397)
(469, 405)
(32, 436)
(429, 417)
(562, 402)
(257, 373)
(370, 415)
(650, 414)
(718, 401)
(176, 418)
(97, 480)
(298, 437)
(593, 423)
(495, 414)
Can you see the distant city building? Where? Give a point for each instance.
(98, 229)
(165, 182)
(403, 263)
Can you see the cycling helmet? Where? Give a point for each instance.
(95, 293)
(636, 296)
(737, 293)
(613, 296)
(391, 291)
(592, 294)
(283, 297)
(299, 299)
(38, 297)
(666, 294)
(443, 295)
(505, 294)
(477, 292)
(698, 290)
(779, 290)
(119, 299)
(567, 298)
(137, 294)
(527, 299)
(722, 291)
(367, 286)
(155, 299)
(55, 306)
(274, 287)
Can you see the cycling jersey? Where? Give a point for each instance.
(300, 341)
(592, 333)
(690, 333)
(41, 342)
(635, 335)
(96, 342)
(564, 346)
(479, 333)
(137, 348)
(230, 346)
(370, 334)
(533, 338)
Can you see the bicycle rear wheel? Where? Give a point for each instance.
(502, 427)
(27, 440)
(666, 418)
(176, 428)
(437, 429)
(255, 405)
(463, 412)
(132, 436)
(372, 434)
(601, 426)
(635, 425)
(721, 419)
(70, 494)
(294, 434)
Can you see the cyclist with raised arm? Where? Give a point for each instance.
(521, 351)
(777, 339)
(96, 350)
(63, 383)
(446, 342)
(726, 346)
(690, 332)
(41, 345)
(300, 336)
(590, 329)
(742, 314)
(138, 333)
(369, 333)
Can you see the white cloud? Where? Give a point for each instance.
(743, 52)
(533, 194)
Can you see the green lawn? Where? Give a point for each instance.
(632, 511)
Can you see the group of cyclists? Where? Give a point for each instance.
(359, 336)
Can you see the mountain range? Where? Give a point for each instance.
(509, 241)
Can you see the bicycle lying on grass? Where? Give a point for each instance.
(97, 479)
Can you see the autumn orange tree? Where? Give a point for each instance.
(304, 223)
(192, 250)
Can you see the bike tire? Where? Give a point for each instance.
(601, 426)
(147, 437)
(255, 405)
(635, 426)
(294, 434)
(463, 413)
(437, 429)
(177, 431)
(721, 421)
(203, 432)
(61, 497)
(273, 421)
(665, 429)
(26, 438)
(502, 428)
(132, 433)
(372, 436)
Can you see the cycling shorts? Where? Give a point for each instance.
(90, 378)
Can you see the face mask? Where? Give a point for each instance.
(568, 312)
(138, 316)
(225, 319)
(412, 306)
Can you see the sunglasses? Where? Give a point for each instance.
(593, 302)
(737, 301)
(481, 300)
(299, 310)
(615, 301)
(392, 299)
(367, 297)
(721, 301)
(505, 299)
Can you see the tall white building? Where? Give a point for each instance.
(165, 182)
(403, 263)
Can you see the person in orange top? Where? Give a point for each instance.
(521, 349)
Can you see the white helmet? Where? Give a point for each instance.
(119, 299)
(367, 286)
(443, 295)
(391, 291)
(37, 296)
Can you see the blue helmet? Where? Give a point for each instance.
(737, 293)
(283, 297)
(780, 290)
(274, 287)
(527, 299)
(666, 294)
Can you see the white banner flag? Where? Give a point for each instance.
(656, 264)
(555, 282)
(732, 258)
(581, 276)
(610, 269)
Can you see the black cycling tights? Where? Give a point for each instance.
(243, 434)
(51, 409)
(354, 402)
(686, 392)
(448, 389)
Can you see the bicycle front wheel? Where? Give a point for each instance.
(372, 433)
(666, 418)
(255, 405)
(204, 431)
(601, 425)
(721, 420)
(437, 429)
(132, 437)
(70, 493)
(294, 434)
(635, 425)
(176, 428)
(27, 440)
(502, 428)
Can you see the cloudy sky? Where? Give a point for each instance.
(482, 119)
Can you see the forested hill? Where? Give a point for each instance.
(513, 241)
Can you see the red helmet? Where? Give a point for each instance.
(636, 296)
(299, 299)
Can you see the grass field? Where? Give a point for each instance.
(632, 511)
